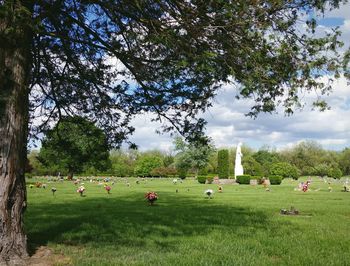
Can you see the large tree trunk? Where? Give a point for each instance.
(14, 76)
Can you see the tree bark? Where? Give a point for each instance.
(15, 56)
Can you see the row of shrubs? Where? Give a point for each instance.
(245, 179)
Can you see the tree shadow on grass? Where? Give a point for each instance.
(131, 222)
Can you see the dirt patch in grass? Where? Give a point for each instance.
(44, 256)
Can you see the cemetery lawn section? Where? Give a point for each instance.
(241, 226)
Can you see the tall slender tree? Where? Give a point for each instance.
(223, 163)
(109, 60)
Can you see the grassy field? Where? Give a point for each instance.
(241, 226)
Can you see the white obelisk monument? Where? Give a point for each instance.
(238, 161)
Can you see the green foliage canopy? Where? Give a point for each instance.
(223, 163)
(285, 170)
(109, 60)
(145, 165)
(252, 167)
(74, 145)
(194, 155)
(335, 173)
(344, 161)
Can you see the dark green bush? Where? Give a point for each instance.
(275, 179)
(201, 179)
(223, 164)
(243, 179)
(285, 170)
(335, 173)
(252, 167)
(182, 173)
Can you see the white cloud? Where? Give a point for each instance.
(342, 12)
(227, 124)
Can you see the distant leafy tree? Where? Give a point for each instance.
(223, 163)
(344, 161)
(168, 160)
(335, 173)
(123, 162)
(285, 170)
(252, 167)
(37, 167)
(322, 169)
(266, 158)
(308, 170)
(75, 145)
(192, 155)
(146, 164)
(305, 155)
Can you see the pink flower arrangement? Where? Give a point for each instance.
(108, 189)
(151, 197)
(81, 190)
(305, 186)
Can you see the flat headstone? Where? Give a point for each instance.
(225, 181)
(253, 182)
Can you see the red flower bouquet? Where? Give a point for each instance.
(108, 189)
(151, 197)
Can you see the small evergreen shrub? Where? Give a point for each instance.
(243, 179)
(201, 179)
(275, 179)
(182, 173)
(223, 164)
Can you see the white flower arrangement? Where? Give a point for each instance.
(209, 193)
(81, 190)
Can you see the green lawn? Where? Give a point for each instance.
(241, 226)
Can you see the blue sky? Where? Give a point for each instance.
(227, 124)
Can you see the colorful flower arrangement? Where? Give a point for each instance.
(81, 190)
(108, 189)
(151, 197)
(209, 193)
(305, 186)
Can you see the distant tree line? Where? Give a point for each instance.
(305, 158)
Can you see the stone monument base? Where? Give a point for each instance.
(218, 181)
